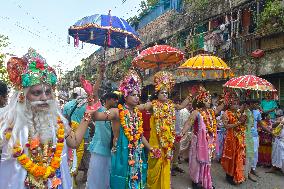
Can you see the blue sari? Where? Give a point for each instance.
(121, 171)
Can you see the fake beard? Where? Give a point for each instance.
(42, 119)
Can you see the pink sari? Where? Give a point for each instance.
(199, 161)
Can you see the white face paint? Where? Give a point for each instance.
(40, 97)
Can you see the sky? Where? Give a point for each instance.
(43, 25)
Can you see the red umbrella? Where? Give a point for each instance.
(250, 82)
(158, 56)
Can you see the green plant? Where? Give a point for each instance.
(198, 4)
(3, 71)
(126, 63)
(272, 17)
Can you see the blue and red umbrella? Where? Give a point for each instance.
(106, 31)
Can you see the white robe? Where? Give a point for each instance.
(13, 175)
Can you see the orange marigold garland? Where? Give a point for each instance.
(211, 127)
(210, 121)
(239, 131)
(39, 172)
(164, 115)
(133, 130)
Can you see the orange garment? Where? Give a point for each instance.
(233, 158)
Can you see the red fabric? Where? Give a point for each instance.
(146, 115)
(246, 18)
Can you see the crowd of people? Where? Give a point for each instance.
(123, 141)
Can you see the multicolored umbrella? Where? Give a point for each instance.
(250, 82)
(206, 63)
(158, 56)
(106, 31)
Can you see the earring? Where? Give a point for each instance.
(21, 97)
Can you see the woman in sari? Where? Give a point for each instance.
(204, 139)
(127, 165)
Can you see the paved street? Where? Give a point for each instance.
(267, 180)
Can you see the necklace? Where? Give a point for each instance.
(131, 124)
(132, 128)
(43, 159)
(164, 115)
(210, 121)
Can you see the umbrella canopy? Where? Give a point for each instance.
(206, 63)
(158, 56)
(106, 31)
(250, 82)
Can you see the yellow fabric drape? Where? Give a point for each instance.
(158, 175)
(80, 149)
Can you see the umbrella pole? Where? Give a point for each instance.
(104, 54)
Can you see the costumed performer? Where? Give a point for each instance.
(34, 134)
(203, 140)
(162, 134)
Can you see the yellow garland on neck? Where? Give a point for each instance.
(210, 121)
(133, 137)
(40, 171)
(164, 115)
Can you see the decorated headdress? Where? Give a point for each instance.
(202, 94)
(131, 82)
(164, 80)
(30, 70)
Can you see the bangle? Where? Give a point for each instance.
(95, 106)
(87, 116)
(107, 113)
(68, 134)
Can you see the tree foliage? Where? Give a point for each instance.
(272, 17)
(3, 71)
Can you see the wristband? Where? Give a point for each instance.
(95, 107)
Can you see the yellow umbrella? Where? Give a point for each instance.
(209, 65)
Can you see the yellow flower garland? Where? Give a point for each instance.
(210, 121)
(41, 171)
(164, 115)
(128, 131)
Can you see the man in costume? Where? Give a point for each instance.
(203, 140)
(162, 134)
(100, 149)
(127, 165)
(34, 135)
(233, 159)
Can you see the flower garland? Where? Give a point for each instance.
(132, 131)
(210, 121)
(211, 127)
(164, 115)
(240, 129)
(41, 171)
(132, 127)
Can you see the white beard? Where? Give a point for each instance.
(42, 123)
